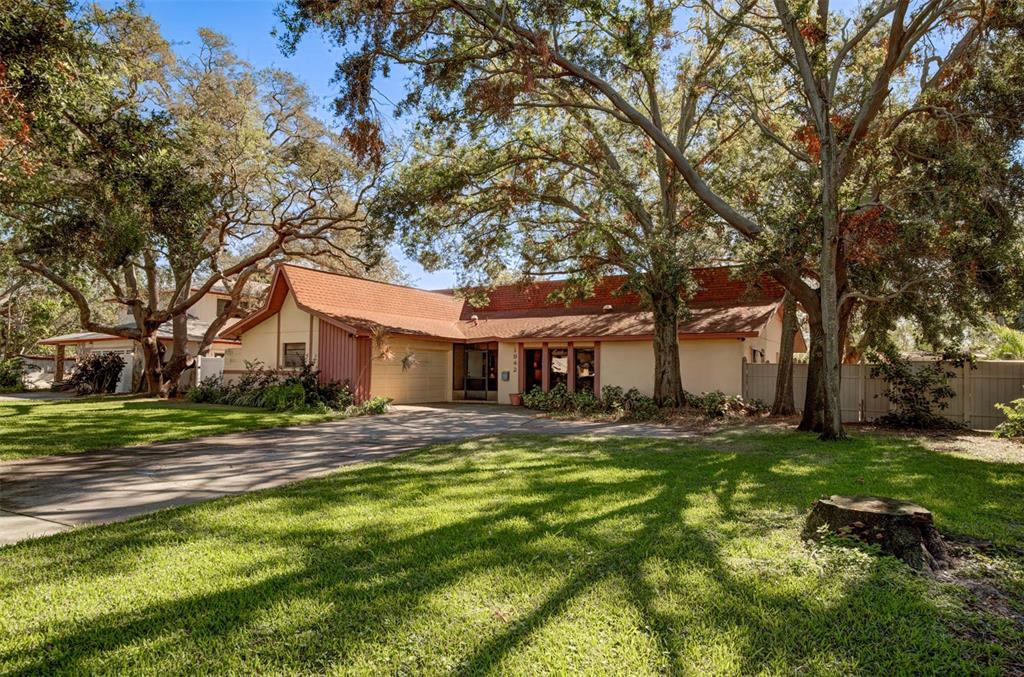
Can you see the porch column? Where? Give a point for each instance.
(521, 366)
(58, 363)
(571, 369)
(545, 368)
(597, 368)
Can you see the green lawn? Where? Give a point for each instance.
(529, 555)
(40, 428)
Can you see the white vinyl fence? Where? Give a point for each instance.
(861, 397)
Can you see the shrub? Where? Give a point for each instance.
(716, 404)
(265, 388)
(916, 393)
(1013, 426)
(631, 404)
(285, 397)
(536, 399)
(97, 373)
(11, 374)
(373, 406)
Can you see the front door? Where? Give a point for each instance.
(533, 364)
(480, 380)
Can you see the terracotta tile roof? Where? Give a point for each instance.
(722, 306)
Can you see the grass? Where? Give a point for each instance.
(529, 555)
(38, 428)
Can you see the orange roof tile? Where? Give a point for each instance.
(722, 307)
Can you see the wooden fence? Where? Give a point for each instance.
(862, 399)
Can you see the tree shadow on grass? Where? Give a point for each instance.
(374, 549)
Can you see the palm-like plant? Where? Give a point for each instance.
(1008, 343)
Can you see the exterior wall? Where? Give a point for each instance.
(768, 343)
(205, 309)
(713, 364)
(508, 360)
(264, 342)
(429, 381)
(344, 357)
(627, 364)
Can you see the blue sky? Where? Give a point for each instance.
(247, 23)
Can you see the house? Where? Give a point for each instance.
(201, 315)
(518, 340)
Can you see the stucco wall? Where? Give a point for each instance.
(262, 343)
(507, 361)
(627, 364)
(429, 381)
(715, 364)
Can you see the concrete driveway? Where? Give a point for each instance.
(51, 494)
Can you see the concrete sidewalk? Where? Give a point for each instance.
(47, 495)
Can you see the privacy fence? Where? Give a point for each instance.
(862, 397)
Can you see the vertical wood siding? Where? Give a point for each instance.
(346, 358)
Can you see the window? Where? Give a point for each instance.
(294, 355)
(559, 367)
(585, 369)
(222, 306)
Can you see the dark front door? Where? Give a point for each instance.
(533, 364)
(481, 373)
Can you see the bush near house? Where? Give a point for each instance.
(297, 392)
(97, 373)
(633, 405)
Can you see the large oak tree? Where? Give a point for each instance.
(825, 81)
(166, 176)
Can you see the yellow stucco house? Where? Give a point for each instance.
(517, 341)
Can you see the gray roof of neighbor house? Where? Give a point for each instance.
(196, 331)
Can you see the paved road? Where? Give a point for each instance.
(46, 495)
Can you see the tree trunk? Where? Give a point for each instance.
(814, 410)
(783, 405)
(668, 382)
(152, 369)
(180, 360)
(832, 424)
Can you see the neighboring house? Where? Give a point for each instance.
(40, 369)
(517, 341)
(201, 315)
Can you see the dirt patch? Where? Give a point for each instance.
(973, 444)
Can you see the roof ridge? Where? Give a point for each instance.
(365, 279)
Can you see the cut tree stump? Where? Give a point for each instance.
(902, 529)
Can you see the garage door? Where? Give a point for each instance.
(427, 381)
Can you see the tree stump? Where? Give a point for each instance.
(902, 529)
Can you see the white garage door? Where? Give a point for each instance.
(428, 381)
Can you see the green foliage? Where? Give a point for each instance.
(917, 392)
(1013, 426)
(630, 404)
(716, 404)
(300, 391)
(12, 373)
(371, 407)
(97, 373)
(1008, 343)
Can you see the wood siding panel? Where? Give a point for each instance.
(344, 357)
